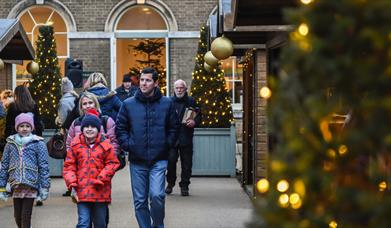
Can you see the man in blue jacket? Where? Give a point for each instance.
(146, 127)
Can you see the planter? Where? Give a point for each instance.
(55, 165)
(214, 152)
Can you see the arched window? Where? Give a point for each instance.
(31, 20)
(135, 53)
(141, 18)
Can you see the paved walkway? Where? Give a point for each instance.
(213, 203)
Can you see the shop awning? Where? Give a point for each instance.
(14, 44)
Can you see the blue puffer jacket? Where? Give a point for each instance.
(147, 127)
(30, 168)
(108, 101)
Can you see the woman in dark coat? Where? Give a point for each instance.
(23, 103)
(108, 101)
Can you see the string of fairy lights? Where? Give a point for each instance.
(47, 80)
(208, 88)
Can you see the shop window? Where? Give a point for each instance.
(233, 74)
(32, 19)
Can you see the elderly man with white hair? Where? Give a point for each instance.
(184, 145)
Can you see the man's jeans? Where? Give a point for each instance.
(149, 180)
(186, 155)
(88, 211)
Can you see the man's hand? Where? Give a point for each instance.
(190, 123)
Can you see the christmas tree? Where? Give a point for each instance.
(208, 89)
(151, 50)
(45, 87)
(330, 108)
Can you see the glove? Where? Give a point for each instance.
(43, 194)
(4, 196)
(74, 196)
(97, 182)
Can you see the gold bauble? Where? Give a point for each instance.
(210, 59)
(1, 64)
(32, 67)
(207, 67)
(222, 48)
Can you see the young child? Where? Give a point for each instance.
(90, 164)
(25, 166)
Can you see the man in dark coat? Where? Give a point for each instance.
(146, 127)
(126, 90)
(184, 145)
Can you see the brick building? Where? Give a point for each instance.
(102, 32)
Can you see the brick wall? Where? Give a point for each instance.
(261, 148)
(191, 14)
(182, 54)
(95, 54)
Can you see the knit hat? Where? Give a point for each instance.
(66, 85)
(91, 120)
(126, 78)
(24, 118)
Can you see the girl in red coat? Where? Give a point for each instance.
(90, 164)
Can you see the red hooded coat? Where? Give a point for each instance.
(83, 166)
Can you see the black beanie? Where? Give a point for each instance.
(91, 120)
(127, 78)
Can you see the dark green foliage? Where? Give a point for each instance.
(341, 66)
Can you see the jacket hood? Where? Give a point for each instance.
(157, 94)
(102, 93)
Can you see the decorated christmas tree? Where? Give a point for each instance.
(149, 53)
(209, 91)
(46, 84)
(330, 108)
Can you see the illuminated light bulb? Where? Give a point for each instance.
(282, 186)
(342, 149)
(297, 204)
(333, 224)
(382, 186)
(265, 92)
(331, 153)
(294, 198)
(303, 29)
(306, 2)
(283, 200)
(263, 185)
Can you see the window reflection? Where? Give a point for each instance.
(233, 74)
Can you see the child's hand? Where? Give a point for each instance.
(43, 194)
(4, 196)
(74, 196)
(97, 182)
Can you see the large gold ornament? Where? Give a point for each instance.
(1, 64)
(207, 67)
(222, 48)
(210, 59)
(32, 67)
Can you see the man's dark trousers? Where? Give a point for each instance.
(186, 155)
